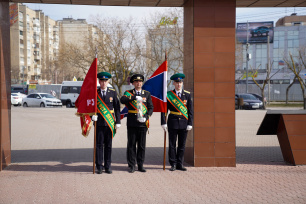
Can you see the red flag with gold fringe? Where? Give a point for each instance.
(87, 100)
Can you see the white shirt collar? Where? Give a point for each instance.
(180, 91)
(103, 90)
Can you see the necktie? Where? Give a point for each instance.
(138, 93)
(103, 95)
(179, 94)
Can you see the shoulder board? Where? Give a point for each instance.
(146, 91)
(111, 89)
(186, 91)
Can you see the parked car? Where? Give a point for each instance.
(16, 98)
(259, 31)
(70, 91)
(260, 98)
(42, 100)
(236, 102)
(19, 89)
(250, 101)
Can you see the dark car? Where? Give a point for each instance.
(259, 31)
(250, 101)
(17, 89)
(260, 97)
(236, 102)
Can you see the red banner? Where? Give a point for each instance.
(87, 100)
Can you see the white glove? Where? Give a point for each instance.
(117, 126)
(94, 118)
(164, 127)
(189, 127)
(142, 120)
(138, 98)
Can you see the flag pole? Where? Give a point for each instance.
(165, 132)
(94, 153)
(95, 134)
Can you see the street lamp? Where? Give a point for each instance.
(247, 57)
(23, 67)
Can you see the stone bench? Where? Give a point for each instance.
(290, 128)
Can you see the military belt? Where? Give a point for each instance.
(175, 113)
(132, 111)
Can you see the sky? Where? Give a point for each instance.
(60, 11)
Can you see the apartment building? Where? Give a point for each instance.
(34, 43)
(36, 40)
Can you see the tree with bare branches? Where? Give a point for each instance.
(117, 45)
(164, 34)
(296, 68)
(265, 82)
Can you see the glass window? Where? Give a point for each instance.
(281, 44)
(65, 89)
(296, 43)
(258, 53)
(74, 89)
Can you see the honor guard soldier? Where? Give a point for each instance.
(108, 121)
(179, 121)
(140, 108)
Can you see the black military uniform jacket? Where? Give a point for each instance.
(132, 117)
(179, 121)
(112, 102)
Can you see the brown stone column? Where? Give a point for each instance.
(5, 89)
(210, 67)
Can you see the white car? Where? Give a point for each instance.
(16, 98)
(42, 100)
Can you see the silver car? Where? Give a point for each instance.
(42, 100)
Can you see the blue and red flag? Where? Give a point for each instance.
(157, 86)
(124, 113)
(281, 62)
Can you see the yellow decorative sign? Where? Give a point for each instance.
(32, 86)
(250, 74)
(167, 21)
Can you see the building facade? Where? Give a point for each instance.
(34, 42)
(289, 38)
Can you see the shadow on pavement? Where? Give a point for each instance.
(268, 155)
(69, 159)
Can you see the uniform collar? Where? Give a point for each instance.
(138, 91)
(103, 90)
(176, 92)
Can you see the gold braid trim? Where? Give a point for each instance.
(83, 114)
(84, 126)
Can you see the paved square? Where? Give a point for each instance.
(52, 163)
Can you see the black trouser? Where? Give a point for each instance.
(136, 135)
(176, 156)
(103, 140)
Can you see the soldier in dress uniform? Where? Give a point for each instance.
(137, 127)
(106, 126)
(179, 121)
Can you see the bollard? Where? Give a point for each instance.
(240, 102)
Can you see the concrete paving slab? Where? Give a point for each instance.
(52, 163)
